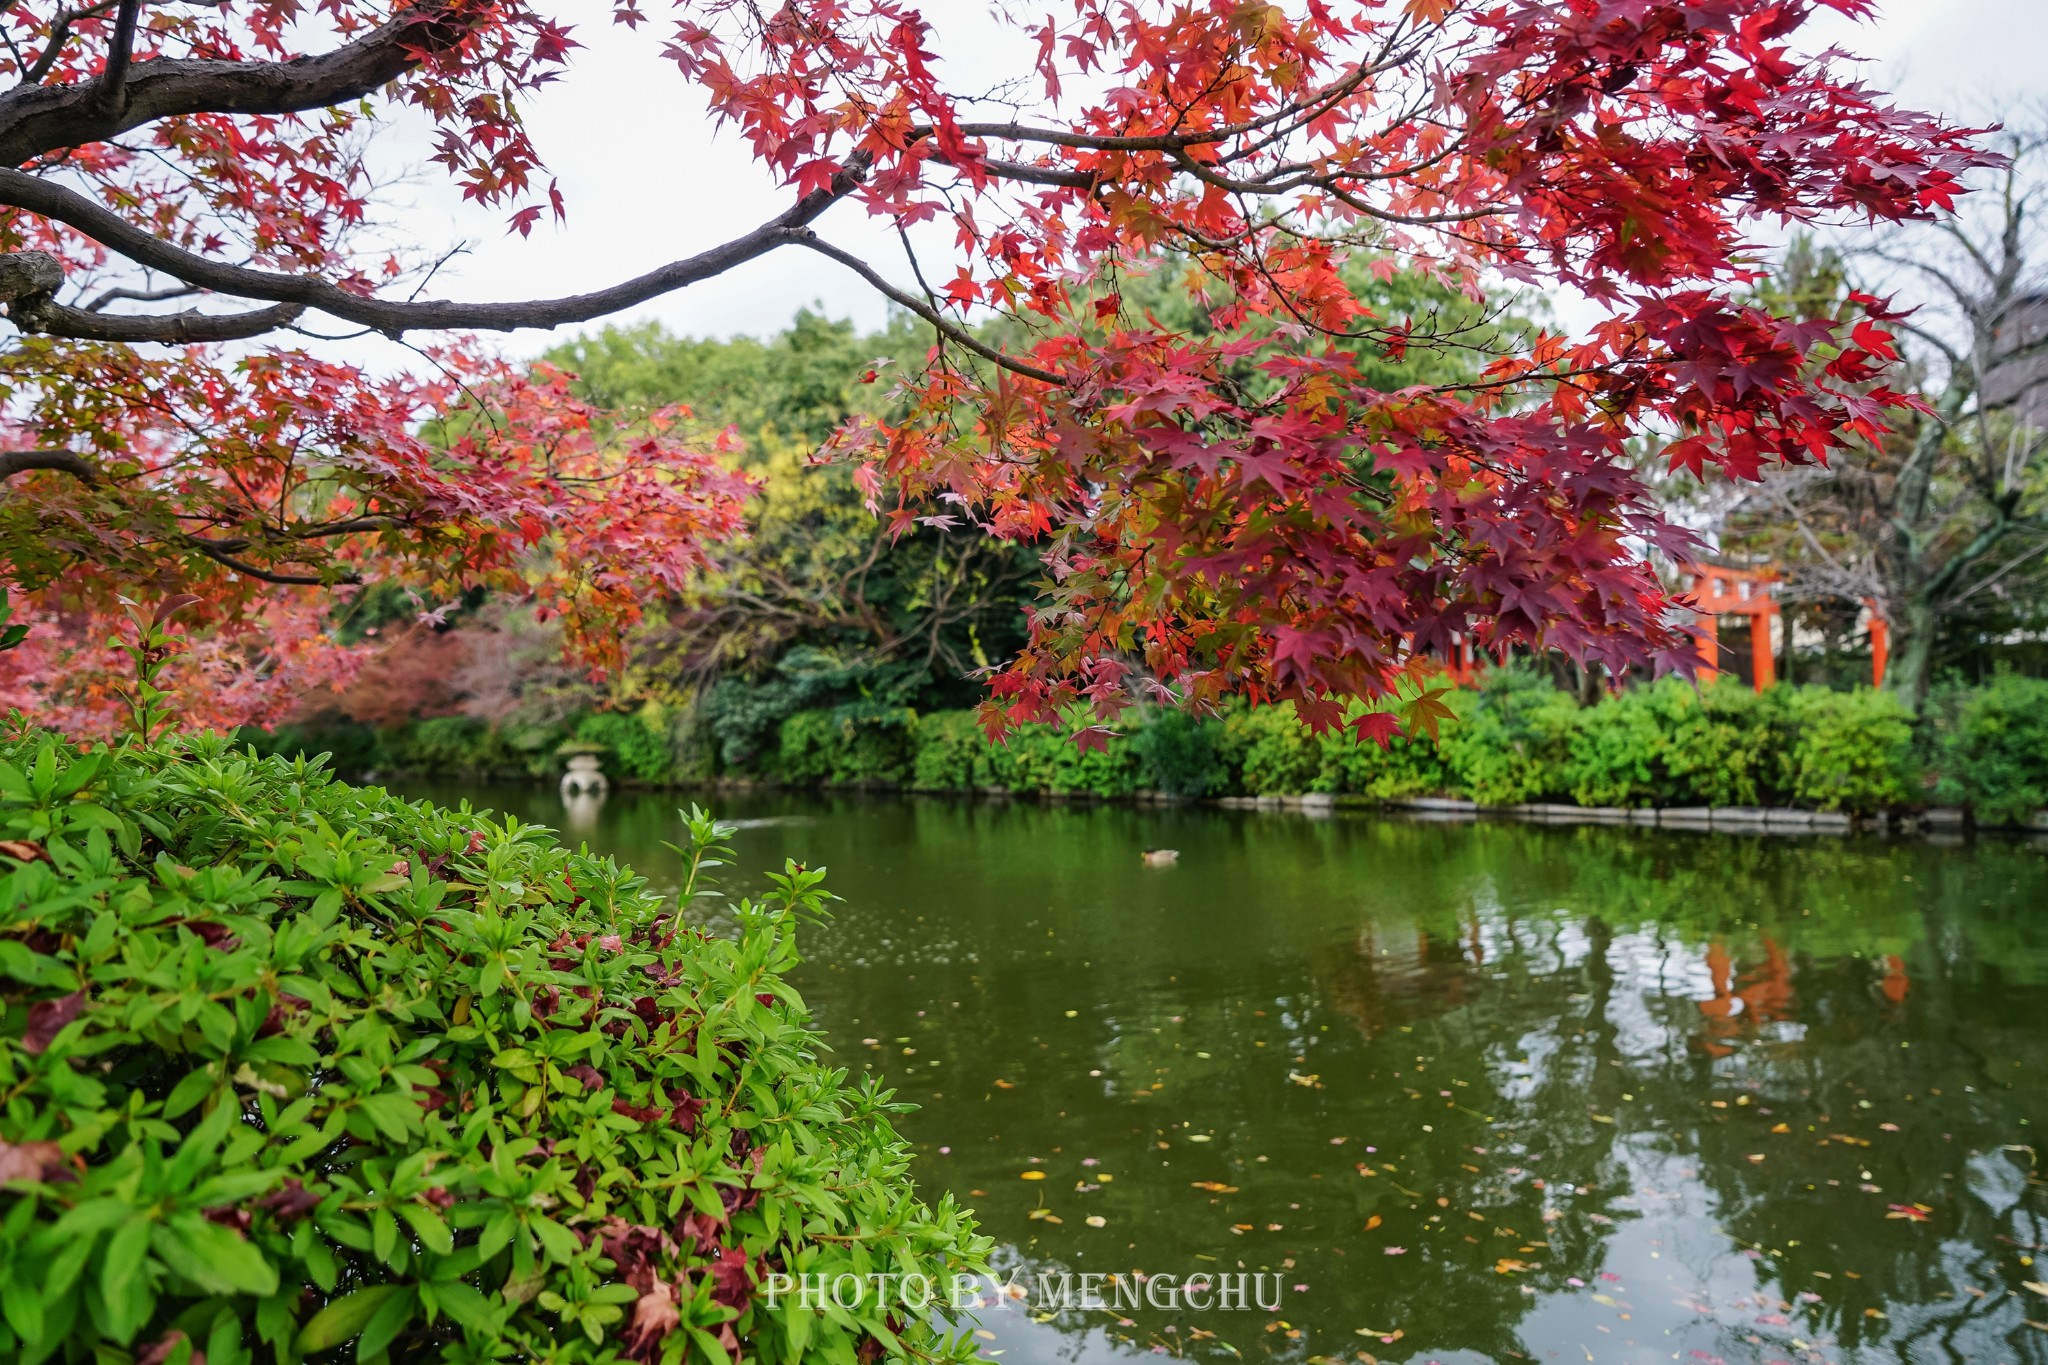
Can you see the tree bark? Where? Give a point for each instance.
(1910, 670)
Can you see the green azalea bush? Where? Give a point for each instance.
(298, 1071)
(1993, 752)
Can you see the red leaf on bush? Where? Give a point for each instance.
(687, 1107)
(47, 1018)
(290, 1201)
(227, 1216)
(731, 1280)
(654, 1317)
(30, 1161)
(701, 1231)
(158, 1351)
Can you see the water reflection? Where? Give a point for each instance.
(1476, 1092)
(581, 808)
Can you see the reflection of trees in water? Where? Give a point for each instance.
(1690, 1008)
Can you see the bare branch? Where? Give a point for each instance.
(947, 328)
(120, 295)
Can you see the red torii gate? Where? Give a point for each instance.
(1719, 590)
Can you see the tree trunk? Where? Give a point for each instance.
(1910, 669)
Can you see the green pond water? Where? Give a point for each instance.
(1471, 1092)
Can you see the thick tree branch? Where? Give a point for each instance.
(50, 318)
(37, 119)
(109, 229)
(14, 462)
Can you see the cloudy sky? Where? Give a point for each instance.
(648, 180)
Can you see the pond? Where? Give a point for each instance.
(1454, 1092)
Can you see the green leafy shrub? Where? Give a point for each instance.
(1514, 743)
(1111, 771)
(1850, 751)
(1178, 754)
(1619, 751)
(447, 745)
(1409, 765)
(1673, 744)
(952, 753)
(1273, 752)
(638, 749)
(1994, 750)
(292, 1067)
(1727, 744)
(863, 743)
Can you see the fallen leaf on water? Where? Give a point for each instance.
(1096, 1220)
(1313, 1080)
(1397, 1251)
(1781, 1127)
(1372, 1222)
(1004, 1085)
(1918, 1213)
(1031, 1175)
(1213, 1186)
(1756, 1158)
(1198, 1137)
(1508, 1265)
(2038, 1286)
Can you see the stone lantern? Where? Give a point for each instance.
(585, 776)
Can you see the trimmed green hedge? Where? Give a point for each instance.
(292, 1067)
(1994, 750)
(1516, 738)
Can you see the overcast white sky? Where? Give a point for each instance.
(647, 181)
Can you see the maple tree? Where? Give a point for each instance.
(1242, 507)
(1942, 526)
